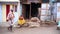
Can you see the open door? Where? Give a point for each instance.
(26, 11)
(34, 9)
(31, 10)
(7, 9)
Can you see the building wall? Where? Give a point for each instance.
(0, 13)
(11, 6)
(4, 12)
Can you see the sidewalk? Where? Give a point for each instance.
(3, 24)
(40, 30)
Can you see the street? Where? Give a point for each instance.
(27, 30)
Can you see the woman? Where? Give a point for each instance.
(21, 21)
(10, 20)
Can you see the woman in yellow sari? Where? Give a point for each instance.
(21, 21)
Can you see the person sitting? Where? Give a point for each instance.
(21, 21)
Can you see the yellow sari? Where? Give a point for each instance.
(21, 22)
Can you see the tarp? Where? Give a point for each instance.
(58, 12)
(45, 11)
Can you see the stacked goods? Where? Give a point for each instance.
(45, 13)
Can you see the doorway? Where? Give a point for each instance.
(7, 10)
(26, 11)
(34, 9)
(31, 10)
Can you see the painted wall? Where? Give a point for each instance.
(11, 6)
(4, 12)
(0, 13)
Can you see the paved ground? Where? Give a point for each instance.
(25, 30)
